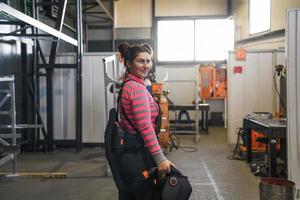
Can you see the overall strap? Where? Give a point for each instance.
(118, 103)
(158, 118)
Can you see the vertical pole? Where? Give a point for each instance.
(154, 33)
(50, 71)
(34, 79)
(25, 104)
(105, 91)
(24, 93)
(49, 82)
(113, 25)
(79, 77)
(13, 121)
(197, 100)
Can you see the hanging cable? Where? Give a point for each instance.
(240, 133)
(175, 141)
(276, 88)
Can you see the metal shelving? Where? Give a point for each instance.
(10, 150)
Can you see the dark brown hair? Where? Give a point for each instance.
(123, 49)
(129, 53)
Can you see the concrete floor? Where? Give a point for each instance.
(213, 177)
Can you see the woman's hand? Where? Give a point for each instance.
(165, 166)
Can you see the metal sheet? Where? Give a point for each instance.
(93, 105)
(293, 94)
(94, 119)
(64, 99)
(13, 13)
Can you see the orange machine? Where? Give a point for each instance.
(213, 82)
(258, 146)
(163, 136)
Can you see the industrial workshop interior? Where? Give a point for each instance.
(210, 88)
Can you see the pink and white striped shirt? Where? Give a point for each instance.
(142, 111)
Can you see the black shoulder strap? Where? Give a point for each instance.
(118, 103)
(157, 120)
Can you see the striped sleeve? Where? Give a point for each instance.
(141, 114)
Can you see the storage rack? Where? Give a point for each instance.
(196, 105)
(10, 150)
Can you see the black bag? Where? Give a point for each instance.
(117, 143)
(176, 186)
(172, 186)
(112, 158)
(118, 140)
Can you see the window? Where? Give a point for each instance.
(175, 40)
(194, 40)
(259, 16)
(214, 38)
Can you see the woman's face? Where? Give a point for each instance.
(141, 65)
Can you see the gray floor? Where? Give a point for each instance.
(211, 174)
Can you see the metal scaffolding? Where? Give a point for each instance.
(30, 30)
(10, 151)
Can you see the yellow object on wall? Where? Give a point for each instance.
(190, 7)
(133, 14)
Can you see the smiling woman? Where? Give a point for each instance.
(139, 115)
(141, 65)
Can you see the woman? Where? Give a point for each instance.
(138, 115)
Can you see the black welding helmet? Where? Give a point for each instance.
(176, 186)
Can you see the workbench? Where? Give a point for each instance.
(272, 129)
(203, 108)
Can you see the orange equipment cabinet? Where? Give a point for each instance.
(213, 82)
(163, 135)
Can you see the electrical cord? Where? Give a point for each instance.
(280, 98)
(240, 132)
(175, 140)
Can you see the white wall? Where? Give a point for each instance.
(64, 100)
(93, 97)
(253, 90)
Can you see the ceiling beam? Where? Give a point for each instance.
(104, 9)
